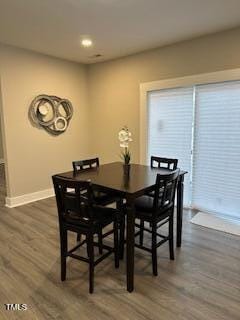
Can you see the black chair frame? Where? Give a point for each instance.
(90, 164)
(171, 164)
(85, 164)
(162, 213)
(75, 202)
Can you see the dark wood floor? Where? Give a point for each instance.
(202, 283)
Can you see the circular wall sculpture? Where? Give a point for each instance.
(51, 113)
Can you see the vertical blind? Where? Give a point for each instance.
(170, 115)
(216, 157)
(200, 126)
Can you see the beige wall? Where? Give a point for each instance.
(33, 155)
(114, 85)
(1, 142)
(105, 97)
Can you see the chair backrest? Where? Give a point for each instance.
(70, 199)
(158, 162)
(85, 164)
(165, 190)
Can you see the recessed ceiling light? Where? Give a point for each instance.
(86, 43)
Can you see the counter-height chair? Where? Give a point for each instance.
(99, 197)
(161, 163)
(157, 211)
(85, 164)
(78, 213)
(167, 163)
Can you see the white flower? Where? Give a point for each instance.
(124, 137)
(124, 144)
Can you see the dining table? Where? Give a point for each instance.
(139, 180)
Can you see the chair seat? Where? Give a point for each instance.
(101, 216)
(102, 198)
(152, 193)
(144, 208)
(144, 204)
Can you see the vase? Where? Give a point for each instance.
(126, 169)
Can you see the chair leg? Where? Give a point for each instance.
(64, 246)
(91, 262)
(122, 237)
(141, 232)
(116, 244)
(88, 253)
(171, 244)
(119, 204)
(100, 242)
(154, 249)
(79, 237)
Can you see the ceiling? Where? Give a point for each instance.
(117, 27)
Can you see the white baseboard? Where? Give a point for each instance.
(1, 161)
(12, 202)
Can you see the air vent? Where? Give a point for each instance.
(98, 55)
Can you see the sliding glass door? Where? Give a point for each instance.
(216, 157)
(200, 126)
(170, 118)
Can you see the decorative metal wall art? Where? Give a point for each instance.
(51, 113)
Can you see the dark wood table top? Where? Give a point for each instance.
(111, 177)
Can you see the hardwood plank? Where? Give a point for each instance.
(202, 283)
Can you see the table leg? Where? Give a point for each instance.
(180, 188)
(130, 243)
